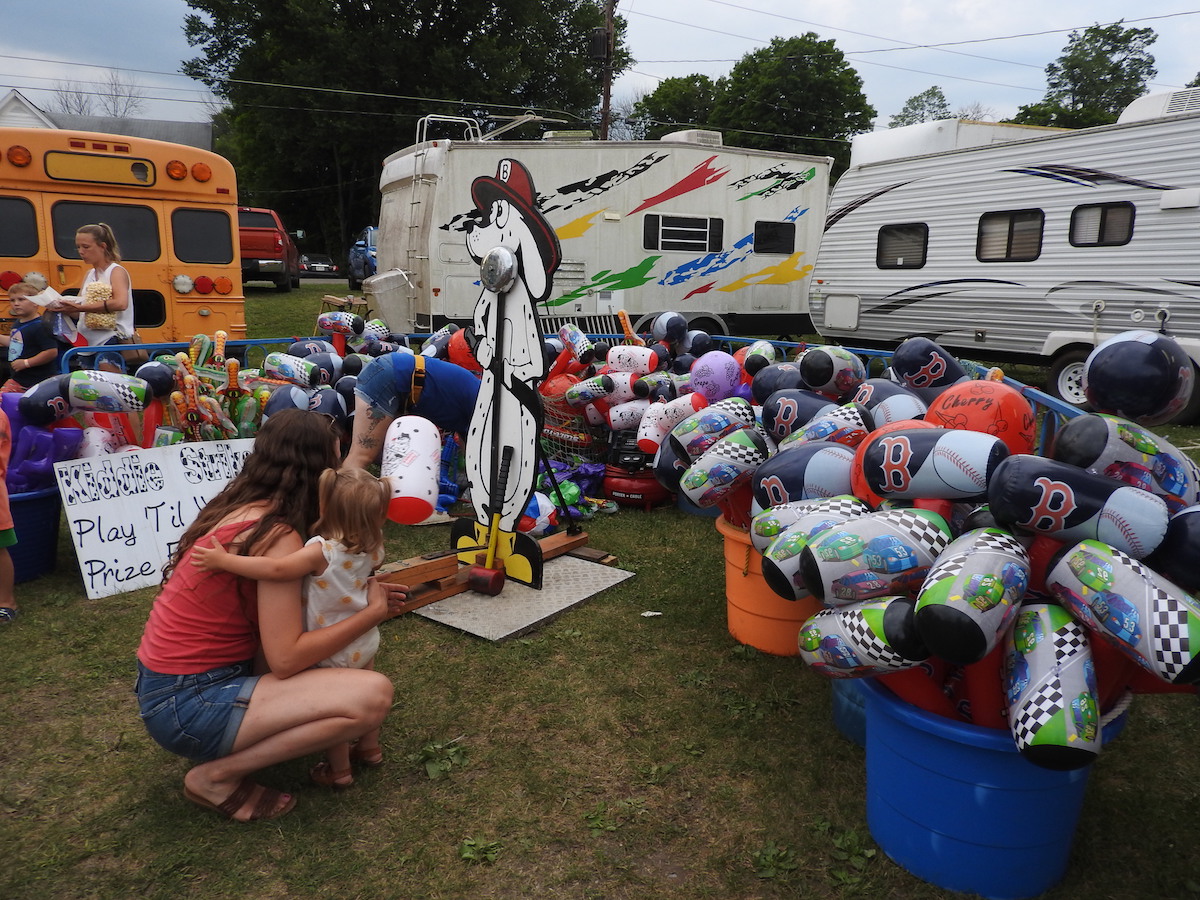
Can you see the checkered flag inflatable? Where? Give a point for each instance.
(1149, 619)
(1050, 682)
(101, 391)
(971, 594)
(869, 638)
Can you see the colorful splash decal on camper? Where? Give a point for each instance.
(578, 227)
(712, 263)
(1082, 177)
(703, 289)
(780, 180)
(633, 277)
(571, 195)
(701, 176)
(785, 272)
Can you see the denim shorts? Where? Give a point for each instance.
(195, 716)
(376, 384)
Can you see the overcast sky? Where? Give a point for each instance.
(1001, 47)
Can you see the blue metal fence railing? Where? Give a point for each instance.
(247, 344)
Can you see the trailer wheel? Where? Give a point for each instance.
(1066, 378)
(709, 326)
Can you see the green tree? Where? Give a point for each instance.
(1195, 82)
(675, 103)
(1101, 71)
(927, 106)
(317, 93)
(797, 95)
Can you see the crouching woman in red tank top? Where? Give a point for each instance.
(210, 632)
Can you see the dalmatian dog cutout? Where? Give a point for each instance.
(507, 343)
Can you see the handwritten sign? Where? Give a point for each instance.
(127, 511)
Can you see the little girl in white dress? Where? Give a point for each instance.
(336, 565)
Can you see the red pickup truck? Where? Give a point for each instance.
(268, 251)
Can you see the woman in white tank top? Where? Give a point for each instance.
(97, 247)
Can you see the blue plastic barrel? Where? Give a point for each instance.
(35, 519)
(958, 806)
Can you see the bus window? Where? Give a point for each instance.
(18, 227)
(202, 236)
(136, 228)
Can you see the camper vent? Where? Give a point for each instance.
(567, 136)
(1155, 106)
(695, 136)
(1184, 102)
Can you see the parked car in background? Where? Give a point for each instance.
(313, 264)
(268, 251)
(362, 257)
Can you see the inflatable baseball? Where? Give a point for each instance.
(938, 463)
(888, 401)
(926, 367)
(1052, 498)
(789, 409)
(803, 472)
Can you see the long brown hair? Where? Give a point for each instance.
(291, 450)
(353, 506)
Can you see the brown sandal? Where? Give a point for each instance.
(267, 806)
(323, 775)
(369, 758)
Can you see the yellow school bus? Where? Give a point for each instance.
(173, 209)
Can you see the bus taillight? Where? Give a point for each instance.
(19, 156)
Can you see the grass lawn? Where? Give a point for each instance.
(605, 755)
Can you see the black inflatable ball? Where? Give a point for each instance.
(158, 375)
(775, 377)
(309, 346)
(1139, 375)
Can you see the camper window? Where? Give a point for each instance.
(18, 227)
(1102, 225)
(775, 237)
(1010, 236)
(902, 246)
(137, 226)
(690, 235)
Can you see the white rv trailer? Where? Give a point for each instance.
(724, 235)
(1011, 242)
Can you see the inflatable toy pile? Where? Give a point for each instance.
(985, 581)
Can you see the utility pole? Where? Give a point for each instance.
(606, 101)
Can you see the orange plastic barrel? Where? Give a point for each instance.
(758, 617)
